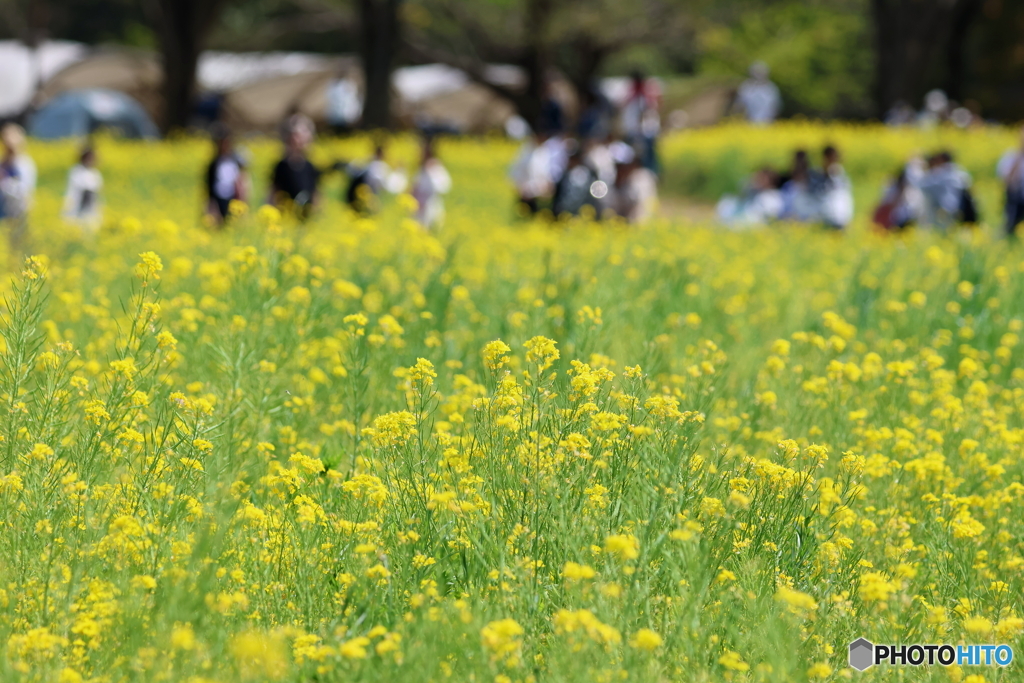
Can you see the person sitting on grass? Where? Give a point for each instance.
(367, 182)
(947, 190)
(833, 190)
(902, 205)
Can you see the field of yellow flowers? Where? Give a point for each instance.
(353, 450)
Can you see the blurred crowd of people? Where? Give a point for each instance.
(295, 180)
(933, 192)
(937, 192)
(804, 194)
(937, 109)
(18, 186)
(607, 166)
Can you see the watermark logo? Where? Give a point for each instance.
(864, 654)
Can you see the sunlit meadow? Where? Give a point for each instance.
(506, 451)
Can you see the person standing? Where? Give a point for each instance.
(758, 97)
(17, 183)
(344, 106)
(641, 122)
(532, 173)
(82, 198)
(295, 178)
(226, 178)
(431, 182)
(1011, 171)
(551, 120)
(13, 138)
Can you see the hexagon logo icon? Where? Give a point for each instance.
(862, 654)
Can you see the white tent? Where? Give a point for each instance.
(24, 69)
(259, 89)
(227, 71)
(440, 96)
(262, 104)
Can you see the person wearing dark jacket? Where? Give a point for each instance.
(295, 178)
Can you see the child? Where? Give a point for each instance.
(82, 198)
(226, 178)
(430, 183)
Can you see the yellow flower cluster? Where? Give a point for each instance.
(356, 450)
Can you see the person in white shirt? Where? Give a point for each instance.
(226, 178)
(430, 183)
(344, 105)
(82, 198)
(13, 138)
(758, 97)
(1011, 171)
(533, 172)
(836, 191)
(368, 181)
(598, 156)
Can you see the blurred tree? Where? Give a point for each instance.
(370, 26)
(911, 39)
(29, 22)
(26, 20)
(994, 61)
(182, 28)
(850, 58)
(573, 36)
(819, 51)
(291, 25)
(87, 21)
(379, 27)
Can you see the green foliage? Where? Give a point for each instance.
(819, 52)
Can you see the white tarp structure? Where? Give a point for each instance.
(136, 73)
(22, 69)
(443, 97)
(227, 71)
(259, 89)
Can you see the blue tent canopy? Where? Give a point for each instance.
(77, 113)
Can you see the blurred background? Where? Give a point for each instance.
(474, 66)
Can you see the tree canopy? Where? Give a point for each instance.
(848, 58)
